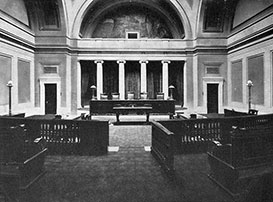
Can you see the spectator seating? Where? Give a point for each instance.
(236, 164)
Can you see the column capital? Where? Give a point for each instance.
(144, 61)
(166, 61)
(121, 61)
(99, 61)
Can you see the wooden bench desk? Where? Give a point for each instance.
(135, 109)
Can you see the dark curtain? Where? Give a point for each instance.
(154, 78)
(132, 78)
(176, 79)
(110, 77)
(89, 78)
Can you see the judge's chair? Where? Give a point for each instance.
(130, 95)
(103, 96)
(160, 96)
(115, 96)
(143, 96)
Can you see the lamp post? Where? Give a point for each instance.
(249, 85)
(171, 88)
(93, 89)
(9, 85)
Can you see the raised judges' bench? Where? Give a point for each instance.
(158, 106)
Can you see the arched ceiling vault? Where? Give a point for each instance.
(216, 16)
(99, 9)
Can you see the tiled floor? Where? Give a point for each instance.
(130, 174)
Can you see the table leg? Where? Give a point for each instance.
(147, 115)
(117, 115)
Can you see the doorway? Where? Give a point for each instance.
(50, 98)
(212, 98)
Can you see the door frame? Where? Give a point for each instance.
(50, 80)
(213, 80)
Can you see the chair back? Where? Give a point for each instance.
(115, 96)
(143, 96)
(103, 96)
(160, 96)
(130, 96)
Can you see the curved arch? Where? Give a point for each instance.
(183, 17)
(100, 14)
(89, 3)
(76, 25)
(66, 23)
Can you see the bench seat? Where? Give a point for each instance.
(237, 165)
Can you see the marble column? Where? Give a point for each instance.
(121, 75)
(79, 85)
(99, 78)
(143, 76)
(165, 78)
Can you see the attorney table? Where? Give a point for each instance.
(134, 109)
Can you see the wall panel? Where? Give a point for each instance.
(237, 80)
(5, 76)
(23, 81)
(256, 75)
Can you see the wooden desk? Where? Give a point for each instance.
(107, 106)
(135, 109)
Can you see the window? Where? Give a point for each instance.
(132, 35)
(50, 69)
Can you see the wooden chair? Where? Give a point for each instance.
(103, 96)
(143, 96)
(253, 112)
(115, 96)
(130, 96)
(160, 96)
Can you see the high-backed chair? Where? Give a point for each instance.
(253, 112)
(143, 96)
(115, 96)
(130, 96)
(103, 96)
(160, 96)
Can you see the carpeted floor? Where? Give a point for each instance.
(129, 175)
(130, 135)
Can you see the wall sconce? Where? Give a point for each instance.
(10, 85)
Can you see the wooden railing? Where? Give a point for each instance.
(248, 157)
(82, 137)
(193, 135)
(21, 162)
(163, 146)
